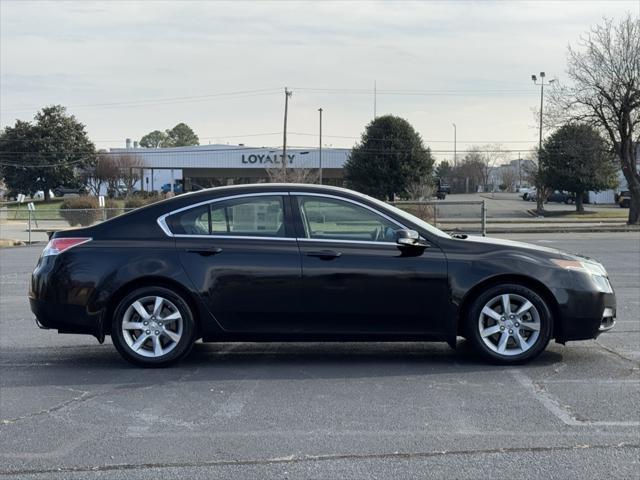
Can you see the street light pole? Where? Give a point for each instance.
(455, 144)
(539, 193)
(535, 81)
(320, 147)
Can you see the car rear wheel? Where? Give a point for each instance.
(153, 327)
(509, 324)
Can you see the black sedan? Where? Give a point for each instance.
(285, 262)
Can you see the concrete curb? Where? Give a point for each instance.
(564, 229)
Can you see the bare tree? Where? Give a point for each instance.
(605, 92)
(103, 171)
(423, 190)
(485, 157)
(129, 168)
(508, 178)
(492, 155)
(534, 176)
(278, 174)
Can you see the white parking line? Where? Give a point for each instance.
(560, 411)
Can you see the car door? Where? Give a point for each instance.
(243, 259)
(355, 277)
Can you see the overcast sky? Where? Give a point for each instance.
(125, 68)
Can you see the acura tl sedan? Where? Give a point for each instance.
(287, 262)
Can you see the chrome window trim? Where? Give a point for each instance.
(359, 242)
(162, 219)
(239, 237)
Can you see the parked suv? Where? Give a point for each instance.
(62, 191)
(624, 199)
(561, 197)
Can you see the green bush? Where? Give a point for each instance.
(112, 208)
(80, 210)
(137, 202)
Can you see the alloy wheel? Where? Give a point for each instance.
(152, 326)
(509, 324)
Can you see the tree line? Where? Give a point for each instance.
(55, 150)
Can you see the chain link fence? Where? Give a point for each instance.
(38, 223)
(450, 216)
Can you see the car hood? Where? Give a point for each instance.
(499, 242)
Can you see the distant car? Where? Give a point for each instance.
(288, 262)
(62, 191)
(442, 189)
(562, 197)
(166, 188)
(624, 199)
(525, 192)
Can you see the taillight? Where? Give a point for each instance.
(59, 245)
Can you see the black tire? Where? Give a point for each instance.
(178, 350)
(545, 322)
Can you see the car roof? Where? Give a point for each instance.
(264, 187)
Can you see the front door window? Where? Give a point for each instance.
(333, 219)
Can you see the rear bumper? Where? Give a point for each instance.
(65, 318)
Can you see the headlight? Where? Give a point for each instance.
(595, 270)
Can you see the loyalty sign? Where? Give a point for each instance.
(262, 158)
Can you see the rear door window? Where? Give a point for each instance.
(246, 216)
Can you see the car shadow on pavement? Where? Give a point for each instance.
(101, 365)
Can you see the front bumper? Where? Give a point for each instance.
(608, 320)
(586, 315)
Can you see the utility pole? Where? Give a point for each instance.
(375, 100)
(320, 147)
(519, 171)
(455, 144)
(287, 94)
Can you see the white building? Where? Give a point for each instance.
(214, 165)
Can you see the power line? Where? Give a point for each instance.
(424, 140)
(139, 151)
(364, 91)
(308, 134)
(165, 101)
(274, 90)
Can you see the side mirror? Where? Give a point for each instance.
(409, 238)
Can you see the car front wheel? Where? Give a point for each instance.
(509, 324)
(153, 327)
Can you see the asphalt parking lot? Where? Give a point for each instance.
(71, 408)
